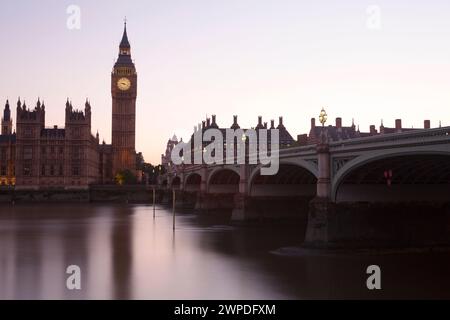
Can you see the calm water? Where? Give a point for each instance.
(124, 253)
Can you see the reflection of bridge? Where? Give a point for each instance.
(412, 166)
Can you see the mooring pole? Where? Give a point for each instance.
(154, 203)
(173, 207)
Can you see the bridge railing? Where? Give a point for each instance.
(283, 152)
(427, 134)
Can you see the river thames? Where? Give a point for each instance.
(125, 253)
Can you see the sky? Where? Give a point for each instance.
(367, 60)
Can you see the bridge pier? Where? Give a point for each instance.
(201, 202)
(320, 231)
(214, 202)
(241, 211)
(165, 199)
(180, 198)
(187, 199)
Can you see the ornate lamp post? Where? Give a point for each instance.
(321, 208)
(323, 157)
(323, 117)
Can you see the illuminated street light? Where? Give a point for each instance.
(323, 117)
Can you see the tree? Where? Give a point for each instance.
(152, 172)
(125, 177)
(140, 162)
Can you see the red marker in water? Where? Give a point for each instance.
(388, 176)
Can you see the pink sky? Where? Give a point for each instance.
(246, 57)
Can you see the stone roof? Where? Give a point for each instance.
(125, 43)
(124, 61)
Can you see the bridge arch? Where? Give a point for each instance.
(295, 177)
(224, 180)
(193, 182)
(370, 168)
(176, 182)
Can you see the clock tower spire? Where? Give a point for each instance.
(124, 94)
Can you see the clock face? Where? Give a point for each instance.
(124, 84)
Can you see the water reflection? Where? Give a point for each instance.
(122, 251)
(126, 253)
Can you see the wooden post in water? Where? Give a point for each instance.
(173, 207)
(154, 203)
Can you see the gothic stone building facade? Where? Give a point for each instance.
(38, 157)
(55, 157)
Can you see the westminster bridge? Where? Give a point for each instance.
(350, 189)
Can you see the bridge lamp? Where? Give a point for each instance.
(323, 117)
(244, 137)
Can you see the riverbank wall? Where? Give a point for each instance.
(112, 194)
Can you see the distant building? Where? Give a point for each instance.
(166, 160)
(71, 157)
(339, 132)
(286, 140)
(7, 149)
(55, 157)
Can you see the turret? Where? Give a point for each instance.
(87, 110)
(36, 116)
(6, 120)
(30, 122)
(7, 112)
(78, 123)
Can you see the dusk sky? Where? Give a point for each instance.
(246, 57)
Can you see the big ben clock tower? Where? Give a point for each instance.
(124, 92)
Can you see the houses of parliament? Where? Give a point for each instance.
(37, 157)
